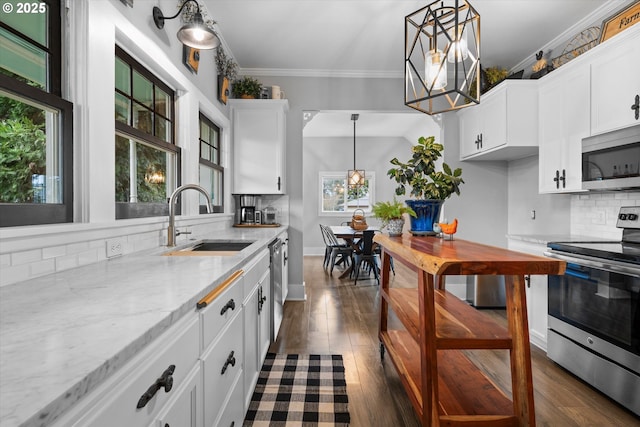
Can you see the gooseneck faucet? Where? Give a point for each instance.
(172, 233)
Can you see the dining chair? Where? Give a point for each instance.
(335, 249)
(366, 255)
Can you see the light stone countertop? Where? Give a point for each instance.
(63, 334)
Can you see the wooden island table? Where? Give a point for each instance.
(445, 387)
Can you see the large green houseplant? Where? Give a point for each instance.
(429, 186)
(391, 214)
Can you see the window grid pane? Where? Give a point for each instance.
(336, 197)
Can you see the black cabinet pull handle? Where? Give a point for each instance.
(557, 179)
(165, 381)
(230, 305)
(278, 183)
(563, 178)
(636, 106)
(480, 140)
(231, 360)
(528, 280)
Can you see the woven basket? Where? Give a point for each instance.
(358, 221)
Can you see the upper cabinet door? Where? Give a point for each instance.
(615, 83)
(504, 126)
(259, 129)
(563, 122)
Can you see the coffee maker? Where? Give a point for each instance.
(246, 212)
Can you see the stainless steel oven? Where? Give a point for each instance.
(594, 311)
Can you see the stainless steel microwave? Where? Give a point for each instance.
(611, 161)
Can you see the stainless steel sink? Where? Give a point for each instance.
(212, 248)
(216, 246)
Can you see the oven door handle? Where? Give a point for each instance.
(611, 266)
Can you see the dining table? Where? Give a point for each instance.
(351, 236)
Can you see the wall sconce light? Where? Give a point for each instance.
(355, 177)
(194, 34)
(443, 29)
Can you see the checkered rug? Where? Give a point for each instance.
(297, 390)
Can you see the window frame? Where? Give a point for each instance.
(370, 176)
(128, 210)
(23, 214)
(217, 166)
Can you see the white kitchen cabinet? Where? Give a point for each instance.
(615, 83)
(222, 368)
(173, 357)
(537, 295)
(563, 122)
(257, 329)
(185, 408)
(259, 135)
(503, 126)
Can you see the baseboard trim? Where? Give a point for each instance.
(297, 292)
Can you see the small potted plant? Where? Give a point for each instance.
(247, 88)
(430, 187)
(227, 71)
(391, 215)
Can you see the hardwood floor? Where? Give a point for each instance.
(340, 318)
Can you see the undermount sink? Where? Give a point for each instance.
(212, 248)
(216, 246)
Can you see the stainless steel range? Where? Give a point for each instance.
(594, 311)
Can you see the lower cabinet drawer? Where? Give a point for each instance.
(233, 414)
(222, 366)
(254, 271)
(184, 410)
(216, 315)
(128, 397)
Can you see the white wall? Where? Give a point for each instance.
(552, 211)
(336, 154)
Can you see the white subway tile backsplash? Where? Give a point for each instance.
(587, 211)
(53, 252)
(43, 267)
(25, 257)
(5, 260)
(66, 262)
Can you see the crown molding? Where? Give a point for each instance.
(282, 72)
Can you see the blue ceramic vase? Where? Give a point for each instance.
(428, 212)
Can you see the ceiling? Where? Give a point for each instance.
(365, 38)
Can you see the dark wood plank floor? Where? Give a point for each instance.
(340, 318)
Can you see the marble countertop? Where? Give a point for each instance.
(62, 334)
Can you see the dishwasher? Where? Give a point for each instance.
(277, 297)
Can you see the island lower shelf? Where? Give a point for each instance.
(466, 395)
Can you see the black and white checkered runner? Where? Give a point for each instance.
(300, 390)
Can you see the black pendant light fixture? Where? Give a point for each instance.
(442, 57)
(194, 34)
(355, 177)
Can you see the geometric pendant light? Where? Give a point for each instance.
(442, 57)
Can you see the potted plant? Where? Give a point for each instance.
(430, 187)
(391, 215)
(227, 71)
(247, 88)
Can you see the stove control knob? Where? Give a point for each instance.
(623, 217)
(632, 217)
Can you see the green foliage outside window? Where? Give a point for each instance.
(23, 148)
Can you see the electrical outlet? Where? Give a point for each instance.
(114, 248)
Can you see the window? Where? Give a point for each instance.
(336, 199)
(211, 170)
(147, 159)
(36, 124)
